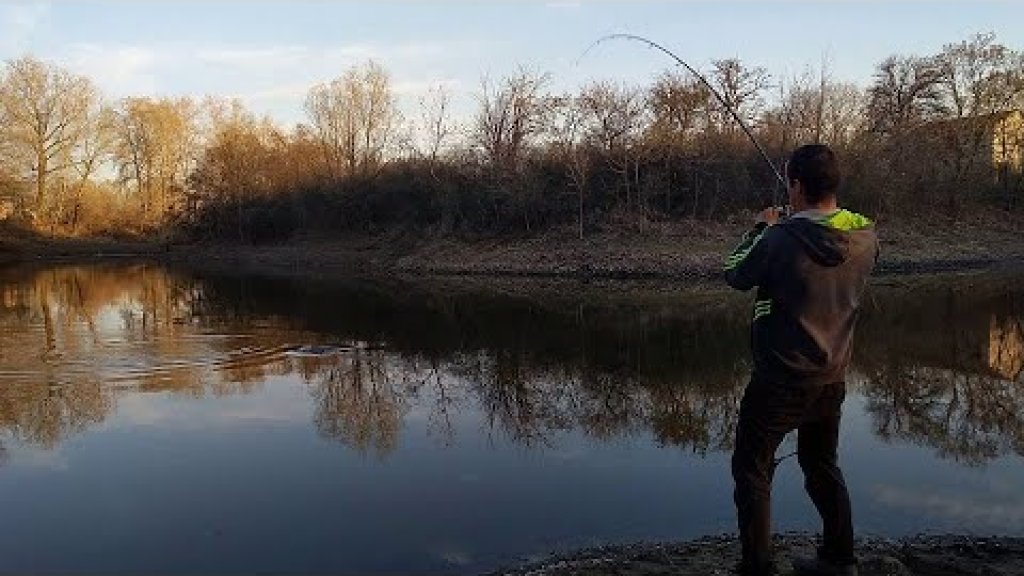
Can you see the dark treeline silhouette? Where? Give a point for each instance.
(939, 133)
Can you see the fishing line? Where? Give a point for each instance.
(679, 61)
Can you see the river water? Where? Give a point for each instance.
(164, 421)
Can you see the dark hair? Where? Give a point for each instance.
(815, 166)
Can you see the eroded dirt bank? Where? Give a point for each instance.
(672, 250)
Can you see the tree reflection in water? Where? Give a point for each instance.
(44, 414)
(939, 362)
(360, 401)
(942, 369)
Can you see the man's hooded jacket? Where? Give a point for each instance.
(810, 272)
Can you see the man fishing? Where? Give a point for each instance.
(810, 271)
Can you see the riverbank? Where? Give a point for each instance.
(667, 250)
(19, 245)
(917, 556)
(676, 250)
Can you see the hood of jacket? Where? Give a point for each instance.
(831, 239)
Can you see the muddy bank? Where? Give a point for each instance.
(918, 556)
(19, 245)
(681, 250)
(668, 250)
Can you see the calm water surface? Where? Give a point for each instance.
(162, 421)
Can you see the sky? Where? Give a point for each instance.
(269, 53)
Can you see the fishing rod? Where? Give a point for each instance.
(708, 85)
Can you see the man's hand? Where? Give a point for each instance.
(769, 216)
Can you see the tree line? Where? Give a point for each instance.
(939, 132)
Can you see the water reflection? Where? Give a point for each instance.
(360, 398)
(939, 362)
(1006, 347)
(943, 368)
(72, 339)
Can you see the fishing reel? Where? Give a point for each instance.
(780, 213)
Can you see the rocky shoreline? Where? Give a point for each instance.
(925, 555)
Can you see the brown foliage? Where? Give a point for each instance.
(930, 131)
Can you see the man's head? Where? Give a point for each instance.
(812, 176)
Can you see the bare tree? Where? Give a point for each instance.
(906, 91)
(435, 114)
(95, 148)
(979, 76)
(156, 148)
(843, 114)
(740, 88)
(510, 116)
(613, 123)
(614, 115)
(566, 132)
(46, 112)
(356, 119)
(241, 161)
(821, 110)
(679, 108)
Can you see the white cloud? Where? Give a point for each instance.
(275, 95)
(328, 61)
(270, 79)
(273, 56)
(142, 410)
(119, 70)
(274, 404)
(974, 509)
(352, 52)
(421, 50)
(18, 24)
(52, 459)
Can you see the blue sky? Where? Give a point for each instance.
(269, 53)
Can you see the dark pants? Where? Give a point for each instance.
(768, 412)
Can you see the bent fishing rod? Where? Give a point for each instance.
(746, 130)
(708, 85)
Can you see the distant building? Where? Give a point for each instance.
(975, 145)
(1007, 131)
